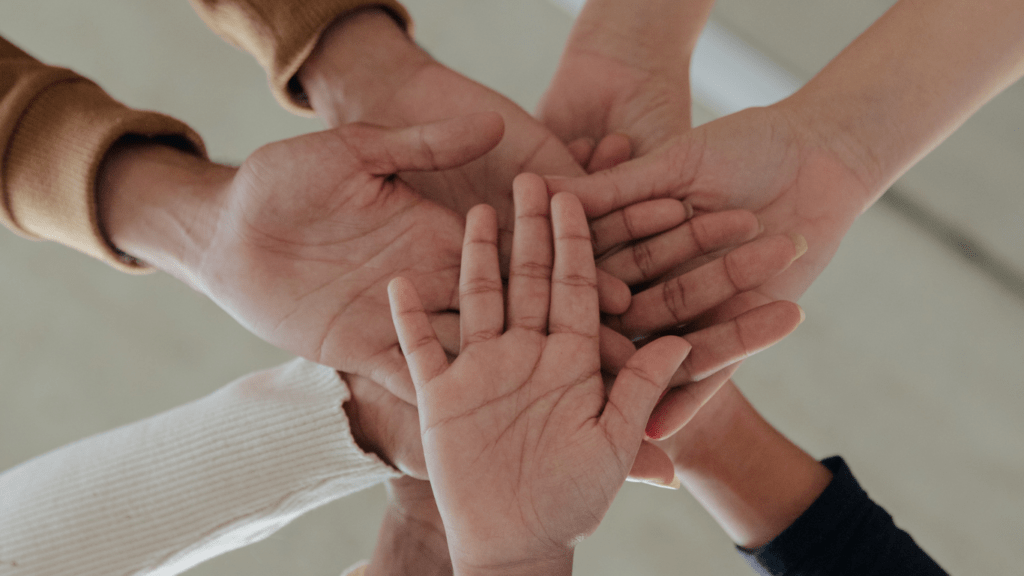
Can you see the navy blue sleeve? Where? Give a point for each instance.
(843, 532)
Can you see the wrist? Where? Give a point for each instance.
(829, 122)
(412, 538)
(551, 566)
(159, 204)
(749, 477)
(360, 62)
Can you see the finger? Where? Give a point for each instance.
(638, 387)
(389, 426)
(574, 301)
(683, 298)
(613, 295)
(435, 146)
(637, 221)
(656, 175)
(481, 295)
(680, 405)
(581, 149)
(612, 150)
(729, 342)
(423, 352)
(615, 349)
(446, 326)
(529, 281)
(648, 260)
(652, 466)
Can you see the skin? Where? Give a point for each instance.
(525, 396)
(299, 242)
(807, 165)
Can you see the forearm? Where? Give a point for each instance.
(749, 477)
(358, 65)
(159, 204)
(910, 80)
(166, 493)
(56, 129)
(652, 32)
(412, 539)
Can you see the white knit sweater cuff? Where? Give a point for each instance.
(164, 494)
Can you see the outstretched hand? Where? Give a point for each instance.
(308, 271)
(761, 159)
(524, 445)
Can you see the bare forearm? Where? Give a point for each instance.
(911, 79)
(668, 28)
(159, 204)
(749, 477)
(358, 65)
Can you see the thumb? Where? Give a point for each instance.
(652, 466)
(435, 146)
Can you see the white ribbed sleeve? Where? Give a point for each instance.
(166, 493)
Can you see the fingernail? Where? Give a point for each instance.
(689, 209)
(673, 485)
(803, 316)
(760, 226)
(799, 243)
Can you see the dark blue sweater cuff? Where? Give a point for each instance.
(843, 532)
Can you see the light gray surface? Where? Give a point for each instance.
(909, 363)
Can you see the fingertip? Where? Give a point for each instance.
(581, 150)
(481, 215)
(566, 201)
(528, 183)
(799, 244)
(614, 296)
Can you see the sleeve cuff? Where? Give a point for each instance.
(167, 493)
(54, 156)
(281, 35)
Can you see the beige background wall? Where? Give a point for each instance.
(910, 364)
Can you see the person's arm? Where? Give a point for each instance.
(55, 130)
(909, 81)
(366, 68)
(812, 163)
(787, 513)
(282, 34)
(168, 492)
(626, 70)
(281, 242)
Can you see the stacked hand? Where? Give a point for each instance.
(524, 446)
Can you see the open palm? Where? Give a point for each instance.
(315, 227)
(759, 159)
(524, 446)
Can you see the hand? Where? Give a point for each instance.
(412, 540)
(764, 160)
(298, 244)
(625, 70)
(365, 68)
(524, 445)
(385, 425)
(743, 327)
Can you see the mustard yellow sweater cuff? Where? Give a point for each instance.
(281, 35)
(54, 155)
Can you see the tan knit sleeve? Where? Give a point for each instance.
(55, 128)
(282, 33)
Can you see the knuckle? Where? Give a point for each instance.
(643, 258)
(674, 295)
(479, 286)
(478, 337)
(578, 281)
(532, 270)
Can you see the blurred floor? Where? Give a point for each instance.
(910, 362)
